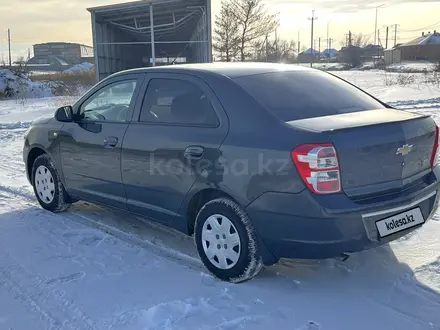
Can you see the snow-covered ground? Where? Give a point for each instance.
(93, 268)
(412, 66)
(404, 67)
(80, 67)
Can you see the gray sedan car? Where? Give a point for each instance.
(257, 161)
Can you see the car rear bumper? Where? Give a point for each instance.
(305, 225)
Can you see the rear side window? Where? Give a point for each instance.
(174, 101)
(300, 95)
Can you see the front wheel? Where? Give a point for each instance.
(227, 242)
(48, 187)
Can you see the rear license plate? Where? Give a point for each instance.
(400, 222)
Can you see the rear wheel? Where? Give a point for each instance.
(226, 241)
(48, 187)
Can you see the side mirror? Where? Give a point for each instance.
(64, 114)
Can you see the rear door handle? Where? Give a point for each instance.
(194, 152)
(110, 142)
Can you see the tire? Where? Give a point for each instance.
(48, 187)
(223, 222)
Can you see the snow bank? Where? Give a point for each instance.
(411, 67)
(80, 67)
(404, 67)
(331, 66)
(17, 84)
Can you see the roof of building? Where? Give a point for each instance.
(310, 51)
(61, 43)
(228, 69)
(425, 39)
(331, 51)
(371, 46)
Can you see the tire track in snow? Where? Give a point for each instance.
(34, 292)
(86, 219)
(430, 272)
(417, 105)
(19, 124)
(435, 100)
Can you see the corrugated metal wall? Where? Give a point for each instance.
(111, 56)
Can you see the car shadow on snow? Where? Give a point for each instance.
(380, 262)
(375, 276)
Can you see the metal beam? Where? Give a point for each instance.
(95, 48)
(153, 48)
(209, 29)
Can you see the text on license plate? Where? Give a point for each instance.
(400, 222)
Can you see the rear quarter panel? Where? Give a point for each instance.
(255, 157)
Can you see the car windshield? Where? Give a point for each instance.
(292, 95)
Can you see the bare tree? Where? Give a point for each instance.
(275, 51)
(361, 40)
(254, 23)
(226, 33)
(3, 62)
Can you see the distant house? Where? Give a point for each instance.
(330, 54)
(47, 63)
(392, 55)
(58, 56)
(370, 52)
(424, 48)
(351, 55)
(309, 55)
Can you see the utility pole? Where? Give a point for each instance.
(313, 18)
(266, 41)
(349, 38)
(299, 48)
(386, 41)
(378, 43)
(9, 46)
(319, 46)
(375, 25)
(395, 34)
(328, 42)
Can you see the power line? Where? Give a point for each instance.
(423, 28)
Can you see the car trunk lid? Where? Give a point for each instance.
(377, 149)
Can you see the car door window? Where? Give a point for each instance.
(174, 101)
(111, 103)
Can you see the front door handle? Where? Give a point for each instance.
(110, 142)
(193, 152)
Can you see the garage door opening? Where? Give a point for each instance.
(151, 33)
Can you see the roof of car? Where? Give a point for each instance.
(231, 69)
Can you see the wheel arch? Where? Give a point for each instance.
(196, 202)
(33, 154)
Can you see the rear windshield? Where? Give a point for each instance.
(300, 95)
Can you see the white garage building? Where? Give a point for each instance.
(149, 33)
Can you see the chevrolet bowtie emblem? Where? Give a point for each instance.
(404, 150)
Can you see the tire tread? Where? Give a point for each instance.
(255, 261)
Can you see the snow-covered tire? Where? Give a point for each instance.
(53, 197)
(249, 261)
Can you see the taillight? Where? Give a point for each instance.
(435, 150)
(319, 168)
